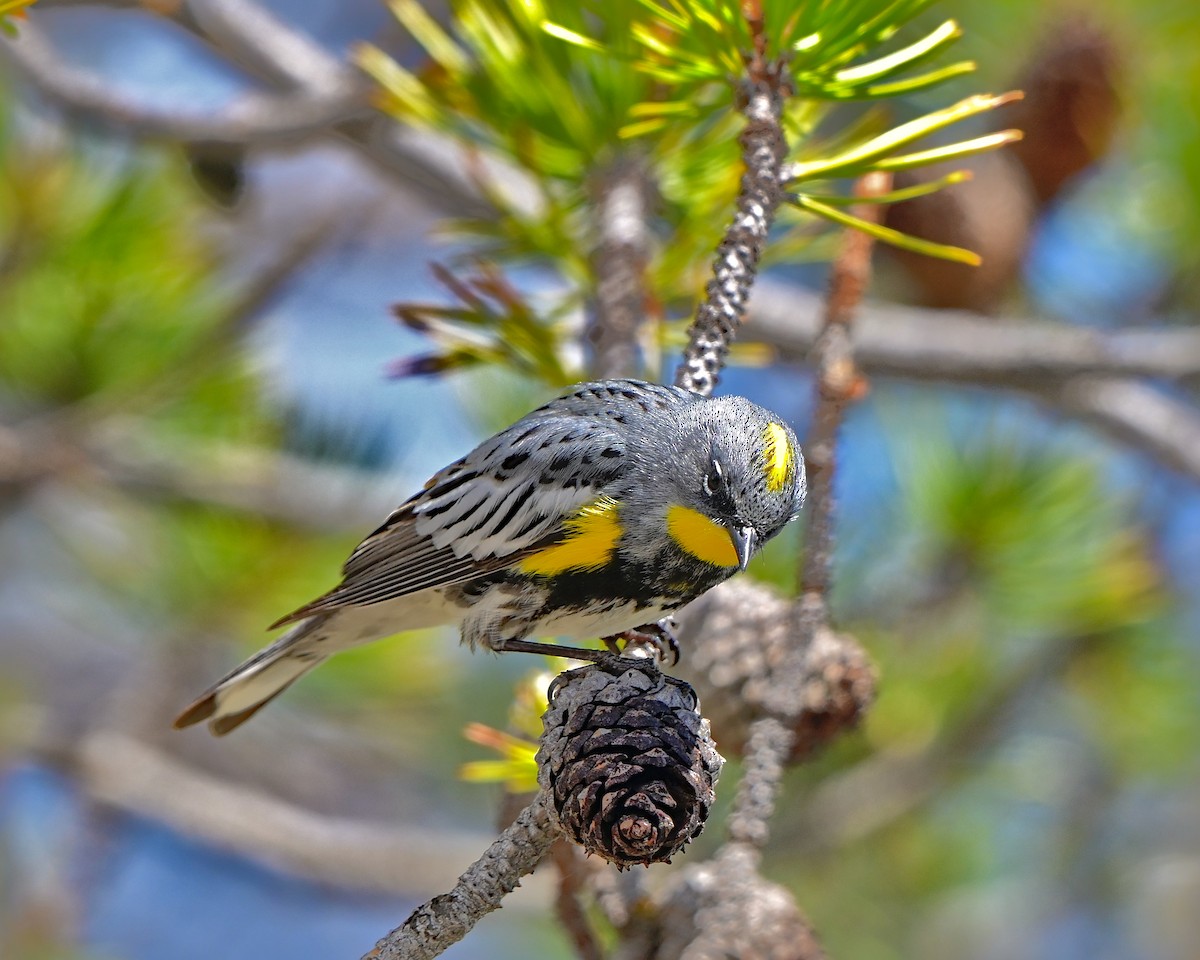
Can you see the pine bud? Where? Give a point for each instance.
(627, 761)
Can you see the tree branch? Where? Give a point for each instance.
(136, 777)
(1137, 414)
(251, 119)
(956, 346)
(254, 38)
(447, 918)
(431, 165)
(770, 740)
(572, 881)
(619, 260)
(735, 267)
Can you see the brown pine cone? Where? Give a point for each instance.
(737, 641)
(628, 762)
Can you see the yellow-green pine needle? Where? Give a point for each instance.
(519, 775)
(655, 108)
(404, 88)
(944, 35)
(680, 19)
(921, 82)
(429, 34)
(897, 196)
(884, 234)
(874, 149)
(954, 151)
(631, 131)
(570, 36)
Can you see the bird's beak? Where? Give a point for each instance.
(745, 539)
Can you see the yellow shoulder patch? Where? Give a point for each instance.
(591, 538)
(703, 538)
(779, 460)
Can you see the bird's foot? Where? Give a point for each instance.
(657, 639)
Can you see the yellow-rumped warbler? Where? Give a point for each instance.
(602, 511)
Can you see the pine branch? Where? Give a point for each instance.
(771, 737)
(448, 918)
(838, 384)
(306, 77)
(735, 267)
(769, 744)
(254, 38)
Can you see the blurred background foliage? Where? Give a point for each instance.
(198, 420)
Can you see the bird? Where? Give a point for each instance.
(599, 513)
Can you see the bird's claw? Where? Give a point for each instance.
(659, 637)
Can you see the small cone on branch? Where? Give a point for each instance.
(627, 761)
(739, 641)
(724, 908)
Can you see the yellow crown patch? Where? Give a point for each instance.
(779, 460)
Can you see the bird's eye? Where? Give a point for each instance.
(714, 480)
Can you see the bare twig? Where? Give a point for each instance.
(244, 479)
(767, 747)
(447, 918)
(247, 480)
(838, 383)
(432, 165)
(736, 264)
(429, 163)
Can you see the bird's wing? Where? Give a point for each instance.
(502, 502)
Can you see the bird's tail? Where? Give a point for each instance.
(238, 696)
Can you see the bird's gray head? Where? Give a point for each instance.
(740, 480)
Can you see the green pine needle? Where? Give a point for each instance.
(955, 151)
(867, 156)
(887, 235)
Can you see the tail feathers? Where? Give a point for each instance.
(248, 688)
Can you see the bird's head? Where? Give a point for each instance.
(741, 479)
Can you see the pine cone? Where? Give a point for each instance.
(724, 908)
(737, 640)
(627, 761)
